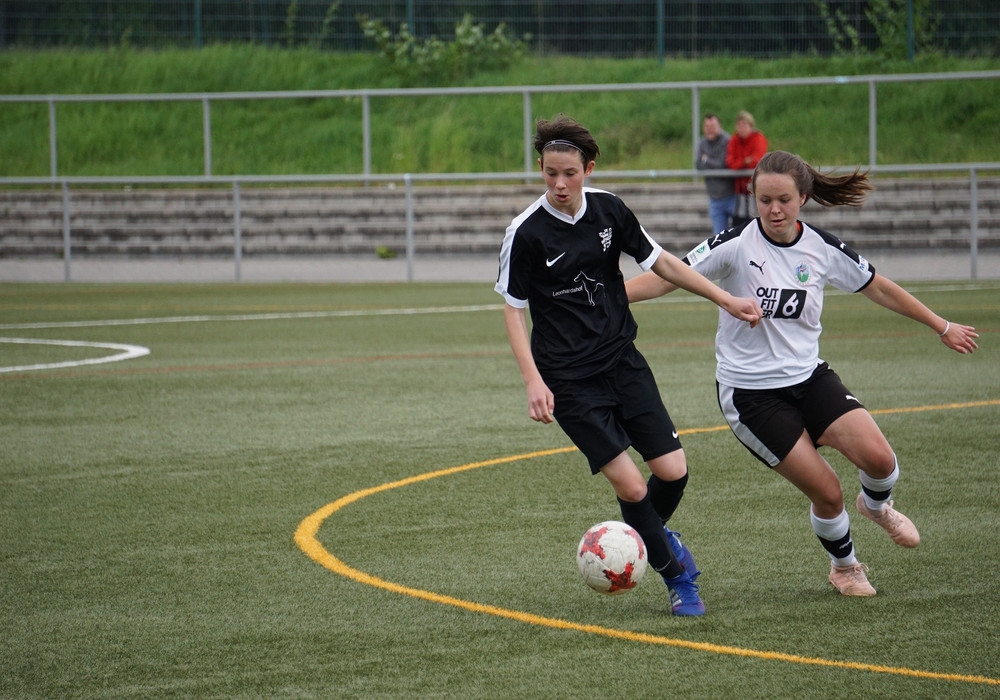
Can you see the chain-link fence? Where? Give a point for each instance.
(623, 28)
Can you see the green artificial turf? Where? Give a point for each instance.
(149, 507)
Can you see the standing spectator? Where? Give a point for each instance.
(579, 362)
(745, 150)
(711, 155)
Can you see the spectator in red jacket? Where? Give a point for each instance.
(746, 147)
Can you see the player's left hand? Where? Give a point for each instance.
(961, 338)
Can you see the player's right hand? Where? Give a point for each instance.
(541, 403)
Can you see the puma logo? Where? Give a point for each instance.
(759, 267)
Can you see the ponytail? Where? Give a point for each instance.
(826, 190)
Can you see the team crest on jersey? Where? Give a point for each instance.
(802, 273)
(606, 238)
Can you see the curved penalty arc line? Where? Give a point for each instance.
(126, 352)
(306, 538)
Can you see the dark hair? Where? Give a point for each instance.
(565, 134)
(827, 190)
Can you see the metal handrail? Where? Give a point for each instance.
(409, 180)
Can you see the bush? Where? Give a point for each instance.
(471, 51)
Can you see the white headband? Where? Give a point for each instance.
(562, 142)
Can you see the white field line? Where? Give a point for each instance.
(250, 317)
(127, 352)
(346, 313)
(132, 351)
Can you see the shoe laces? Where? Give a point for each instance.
(855, 572)
(685, 591)
(889, 516)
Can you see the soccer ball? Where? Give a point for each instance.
(611, 557)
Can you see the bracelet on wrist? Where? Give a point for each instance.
(947, 327)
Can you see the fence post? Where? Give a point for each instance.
(527, 128)
(695, 123)
(366, 136)
(206, 124)
(197, 24)
(872, 128)
(53, 140)
(67, 243)
(974, 224)
(408, 179)
(237, 231)
(661, 19)
(909, 31)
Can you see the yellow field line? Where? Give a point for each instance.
(938, 407)
(305, 538)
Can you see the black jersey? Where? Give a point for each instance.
(567, 271)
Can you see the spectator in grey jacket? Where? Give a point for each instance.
(711, 155)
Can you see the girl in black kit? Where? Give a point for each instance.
(780, 399)
(579, 365)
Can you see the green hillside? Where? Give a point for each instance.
(918, 122)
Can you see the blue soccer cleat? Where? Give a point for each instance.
(682, 553)
(684, 598)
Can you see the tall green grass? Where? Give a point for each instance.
(918, 122)
(148, 508)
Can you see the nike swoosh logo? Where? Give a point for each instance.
(848, 396)
(553, 261)
(675, 433)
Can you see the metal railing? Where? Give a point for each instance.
(409, 180)
(365, 96)
(528, 174)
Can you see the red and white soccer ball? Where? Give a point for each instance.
(611, 557)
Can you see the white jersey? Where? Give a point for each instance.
(788, 281)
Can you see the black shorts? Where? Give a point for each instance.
(770, 421)
(607, 413)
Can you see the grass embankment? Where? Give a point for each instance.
(918, 122)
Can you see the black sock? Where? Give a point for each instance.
(644, 520)
(841, 548)
(666, 495)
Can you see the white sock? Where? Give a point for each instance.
(833, 530)
(879, 486)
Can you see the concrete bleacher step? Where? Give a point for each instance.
(901, 213)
